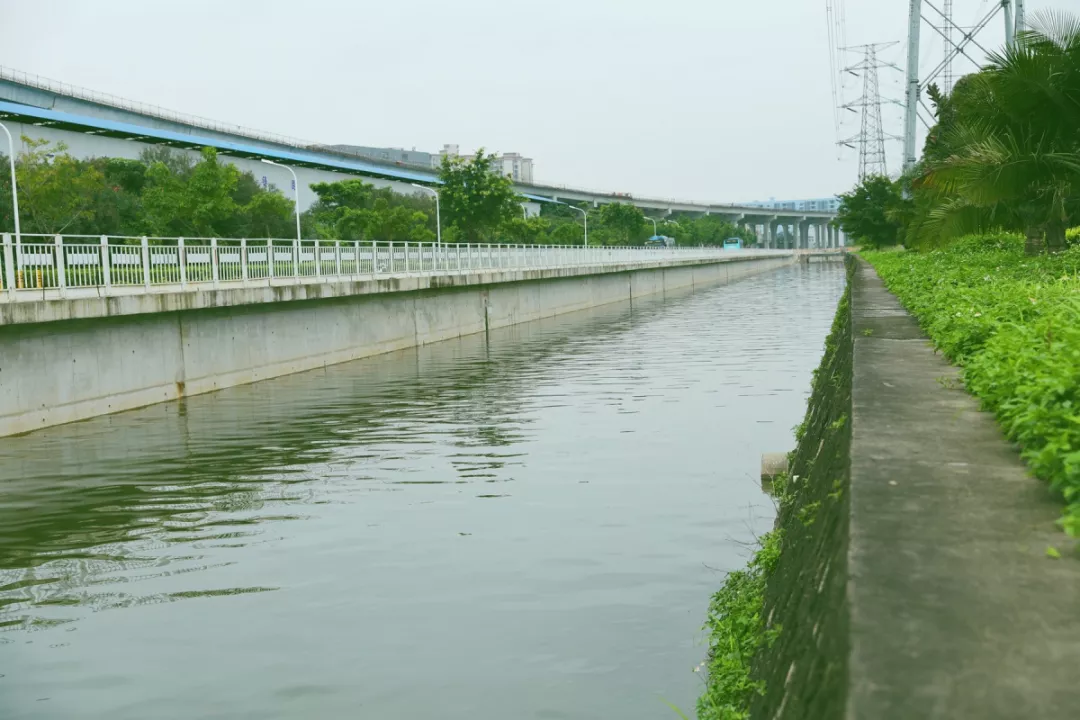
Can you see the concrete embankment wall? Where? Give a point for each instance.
(913, 579)
(66, 360)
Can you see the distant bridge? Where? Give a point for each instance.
(96, 125)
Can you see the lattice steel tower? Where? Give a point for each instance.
(871, 138)
(947, 36)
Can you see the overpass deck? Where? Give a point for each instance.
(313, 155)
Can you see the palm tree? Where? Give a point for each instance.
(1007, 149)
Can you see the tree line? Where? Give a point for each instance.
(170, 193)
(1003, 154)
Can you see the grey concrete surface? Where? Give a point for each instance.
(67, 360)
(956, 609)
(84, 303)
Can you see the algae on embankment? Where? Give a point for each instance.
(777, 630)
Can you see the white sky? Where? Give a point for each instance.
(711, 100)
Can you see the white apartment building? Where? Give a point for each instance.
(513, 165)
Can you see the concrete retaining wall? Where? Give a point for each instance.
(88, 357)
(913, 579)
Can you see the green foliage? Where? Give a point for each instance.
(1013, 323)
(736, 631)
(869, 213)
(622, 224)
(200, 204)
(706, 230)
(531, 231)
(475, 199)
(356, 210)
(56, 191)
(1005, 152)
(567, 233)
(164, 193)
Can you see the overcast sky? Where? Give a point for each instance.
(713, 100)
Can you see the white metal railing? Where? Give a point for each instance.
(36, 267)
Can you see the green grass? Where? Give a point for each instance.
(736, 632)
(1012, 322)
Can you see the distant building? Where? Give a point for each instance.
(397, 156)
(512, 165)
(821, 204)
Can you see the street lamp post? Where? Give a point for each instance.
(296, 193)
(584, 215)
(14, 190)
(654, 230)
(438, 214)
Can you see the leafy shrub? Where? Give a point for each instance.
(736, 631)
(1013, 323)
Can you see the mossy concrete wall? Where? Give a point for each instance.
(913, 579)
(804, 669)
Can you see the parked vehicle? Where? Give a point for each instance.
(660, 241)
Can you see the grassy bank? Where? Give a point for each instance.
(1012, 322)
(789, 602)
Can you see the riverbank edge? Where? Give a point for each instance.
(777, 630)
(907, 574)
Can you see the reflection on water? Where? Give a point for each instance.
(527, 525)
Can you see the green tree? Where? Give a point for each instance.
(475, 199)
(269, 214)
(567, 233)
(709, 230)
(530, 231)
(179, 162)
(868, 213)
(56, 191)
(200, 204)
(620, 223)
(355, 210)
(1006, 153)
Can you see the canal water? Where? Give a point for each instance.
(527, 525)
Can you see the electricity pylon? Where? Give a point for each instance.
(871, 138)
(915, 84)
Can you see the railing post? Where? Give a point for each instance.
(244, 261)
(61, 274)
(391, 257)
(318, 261)
(215, 271)
(106, 269)
(181, 258)
(269, 260)
(9, 266)
(145, 243)
(296, 260)
(337, 259)
(356, 256)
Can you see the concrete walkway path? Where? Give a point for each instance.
(956, 609)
